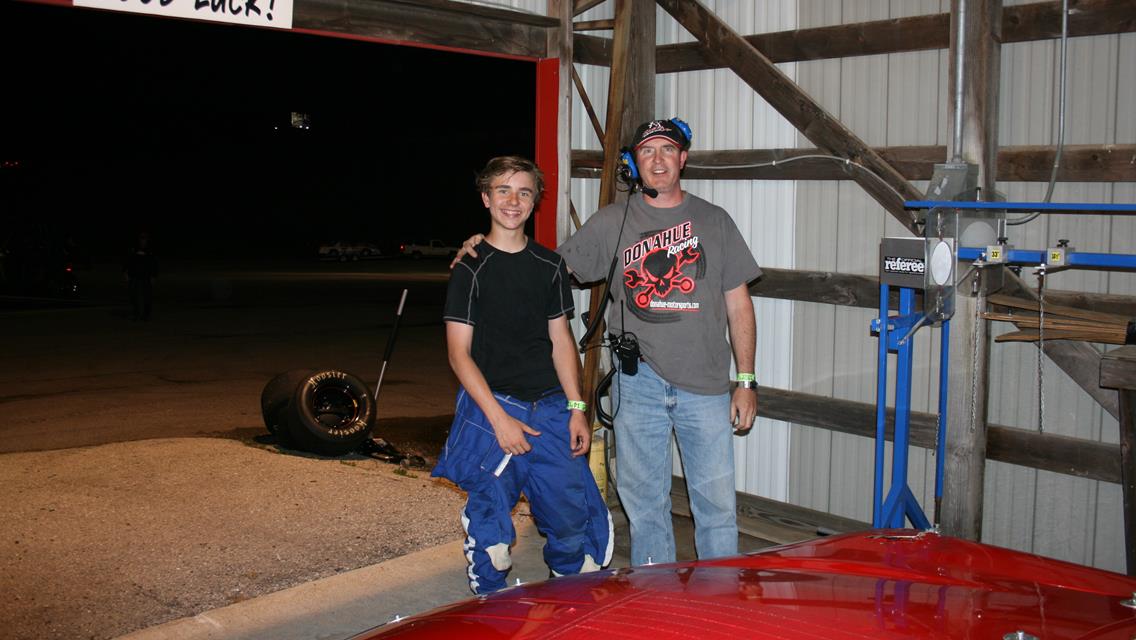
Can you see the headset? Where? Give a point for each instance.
(625, 347)
(627, 167)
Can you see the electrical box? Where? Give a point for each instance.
(928, 264)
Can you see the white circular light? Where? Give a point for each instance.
(942, 263)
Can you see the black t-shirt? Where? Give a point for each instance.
(509, 298)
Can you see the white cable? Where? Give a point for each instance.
(1060, 115)
(811, 156)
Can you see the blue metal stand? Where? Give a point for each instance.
(896, 334)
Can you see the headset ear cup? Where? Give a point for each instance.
(685, 129)
(628, 161)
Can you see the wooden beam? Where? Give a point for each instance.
(591, 111)
(887, 187)
(560, 45)
(583, 5)
(1118, 368)
(631, 94)
(1020, 23)
(1079, 163)
(1118, 371)
(593, 25)
(1059, 454)
(439, 23)
(826, 287)
(1103, 302)
(1127, 398)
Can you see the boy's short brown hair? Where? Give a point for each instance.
(510, 164)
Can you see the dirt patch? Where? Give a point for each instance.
(101, 541)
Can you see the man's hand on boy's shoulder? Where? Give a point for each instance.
(468, 247)
(510, 434)
(579, 435)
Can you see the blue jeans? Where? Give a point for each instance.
(647, 409)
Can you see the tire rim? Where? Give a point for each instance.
(334, 407)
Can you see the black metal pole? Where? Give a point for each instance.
(390, 344)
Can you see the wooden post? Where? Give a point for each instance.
(975, 57)
(560, 46)
(631, 97)
(1118, 371)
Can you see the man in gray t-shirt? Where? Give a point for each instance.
(682, 270)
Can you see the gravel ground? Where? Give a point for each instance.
(100, 541)
(139, 484)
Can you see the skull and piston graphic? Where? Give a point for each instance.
(661, 257)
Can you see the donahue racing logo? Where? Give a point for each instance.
(661, 257)
(901, 264)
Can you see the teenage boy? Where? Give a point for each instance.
(519, 424)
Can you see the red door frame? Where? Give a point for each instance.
(547, 157)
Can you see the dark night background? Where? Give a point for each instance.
(120, 123)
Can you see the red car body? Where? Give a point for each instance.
(872, 584)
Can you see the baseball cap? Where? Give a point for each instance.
(669, 129)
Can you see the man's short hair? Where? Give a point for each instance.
(509, 164)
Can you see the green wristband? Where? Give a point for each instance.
(746, 377)
(578, 405)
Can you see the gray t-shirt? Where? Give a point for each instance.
(673, 270)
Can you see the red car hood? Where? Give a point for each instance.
(874, 584)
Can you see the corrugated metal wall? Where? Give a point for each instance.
(901, 99)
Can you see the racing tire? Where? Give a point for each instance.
(275, 398)
(330, 413)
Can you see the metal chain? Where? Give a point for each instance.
(1041, 349)
(974, 355)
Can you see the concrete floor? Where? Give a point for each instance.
(353, 602)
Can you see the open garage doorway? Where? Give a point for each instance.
(225, 141)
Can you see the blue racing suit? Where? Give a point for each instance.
(565, 501)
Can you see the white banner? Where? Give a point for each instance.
(259, 13)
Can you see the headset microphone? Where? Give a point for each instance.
(630, 173)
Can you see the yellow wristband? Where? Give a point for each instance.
(578, 405)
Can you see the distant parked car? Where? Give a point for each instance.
(431, 249)
(344, 251)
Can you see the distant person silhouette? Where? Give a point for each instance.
(140, 269)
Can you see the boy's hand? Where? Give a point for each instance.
(511, 435)
(468, 247)
(579, 435)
